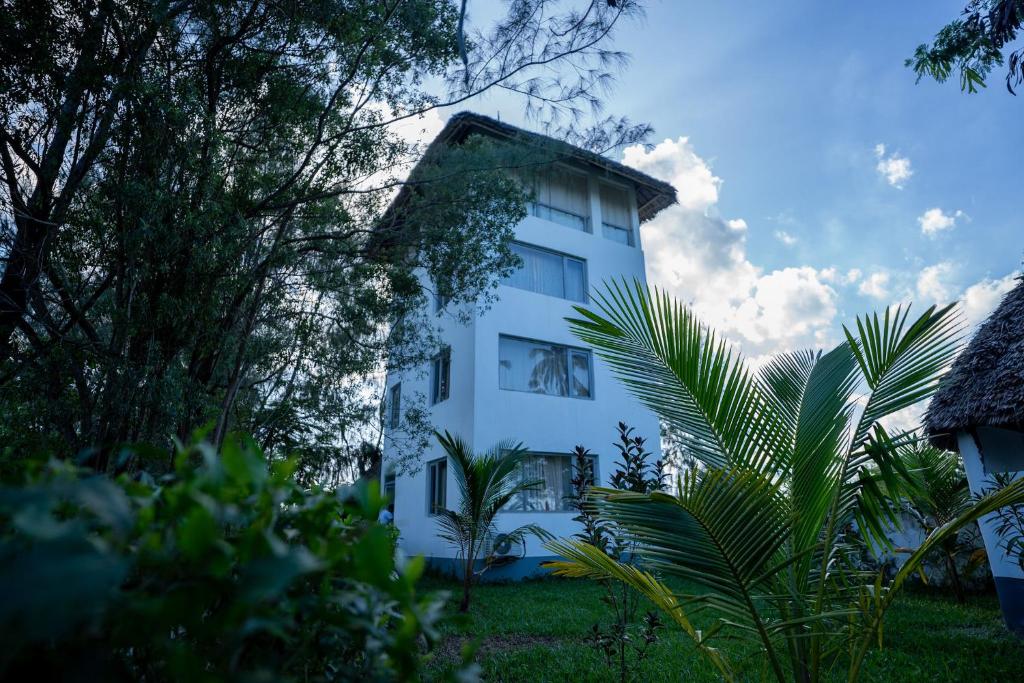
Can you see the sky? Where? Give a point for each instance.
(817, 181)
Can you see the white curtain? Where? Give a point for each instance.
(615, 207)
(556, 473)
(529, 366)
(565, 191)
(541, 271)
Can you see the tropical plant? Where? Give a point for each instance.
(487, 482)
(623, 645)
(939, 494)
(1010, 521)
(224, 570)
(792, 457)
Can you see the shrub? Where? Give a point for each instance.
(224, 570)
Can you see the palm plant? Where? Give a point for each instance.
(487, 482)
(939, 494)
(792, 457)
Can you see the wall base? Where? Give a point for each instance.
(1011, 601)
(523, 568)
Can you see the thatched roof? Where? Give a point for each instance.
(985, 387)
(652, 195)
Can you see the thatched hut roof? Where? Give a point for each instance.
(985, 387)
(652, 195)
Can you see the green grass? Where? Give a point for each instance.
(533, 631)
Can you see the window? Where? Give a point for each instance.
(548, 272)
(437, 486)
(389, 486)
(395, 405)
(556, 471)
(562, 197)
(440, 301)
(542, 368)
(441, 377)
(616, 218)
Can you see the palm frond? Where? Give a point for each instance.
(582, 560)
(902, 363)
(678, 368)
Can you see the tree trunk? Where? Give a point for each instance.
(954, 577)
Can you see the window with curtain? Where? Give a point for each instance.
(437, 486)
(555, 470)
(616, 219)
(549, 272)
(395, 405)
(562, 197)
(543, 368)
(441, 376)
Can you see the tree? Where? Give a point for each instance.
(487, 482)
(792, 457)
(194, 225)
(974, 45)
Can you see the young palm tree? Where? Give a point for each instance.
(939, 495)
(791, 458)
(487, 482)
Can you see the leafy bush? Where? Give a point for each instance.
(224, 570)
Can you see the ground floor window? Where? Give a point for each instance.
(556, 471)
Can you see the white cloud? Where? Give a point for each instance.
(852, 275)
(785, 238)
(934, 221)
(895, 169)
(702, 259)
(933, 283)
(981, 298)
(875, 285)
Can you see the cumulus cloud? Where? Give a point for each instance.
(785, 238)
(934, 283)
(895, 169)
(875, 285)
(934, 221)
(702, 259)
(981, 298)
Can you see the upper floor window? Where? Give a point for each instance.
(555, 470)
(440, 301)
(549, 272)
(616, 214)
(395, 405)
(437, 486)
(542, 368)
(441, 376)
(562, 197)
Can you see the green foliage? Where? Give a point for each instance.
(224, 570)
(624, 644)
(193, 208)
(974, 45)
(1010, 521)
(792, 458)
(487, 482)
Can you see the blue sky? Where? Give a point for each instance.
(769, 119)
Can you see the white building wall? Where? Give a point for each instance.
(483, 414)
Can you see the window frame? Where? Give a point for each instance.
(588, 220)
(395, 405)
(595, 460)
(570, 351)
(565, 273)
(631, 240)
(442, 359)
(437, 481)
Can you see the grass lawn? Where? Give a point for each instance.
(533, 631)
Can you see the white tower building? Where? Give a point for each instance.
(515, 371)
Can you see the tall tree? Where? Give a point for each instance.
(194, 191)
